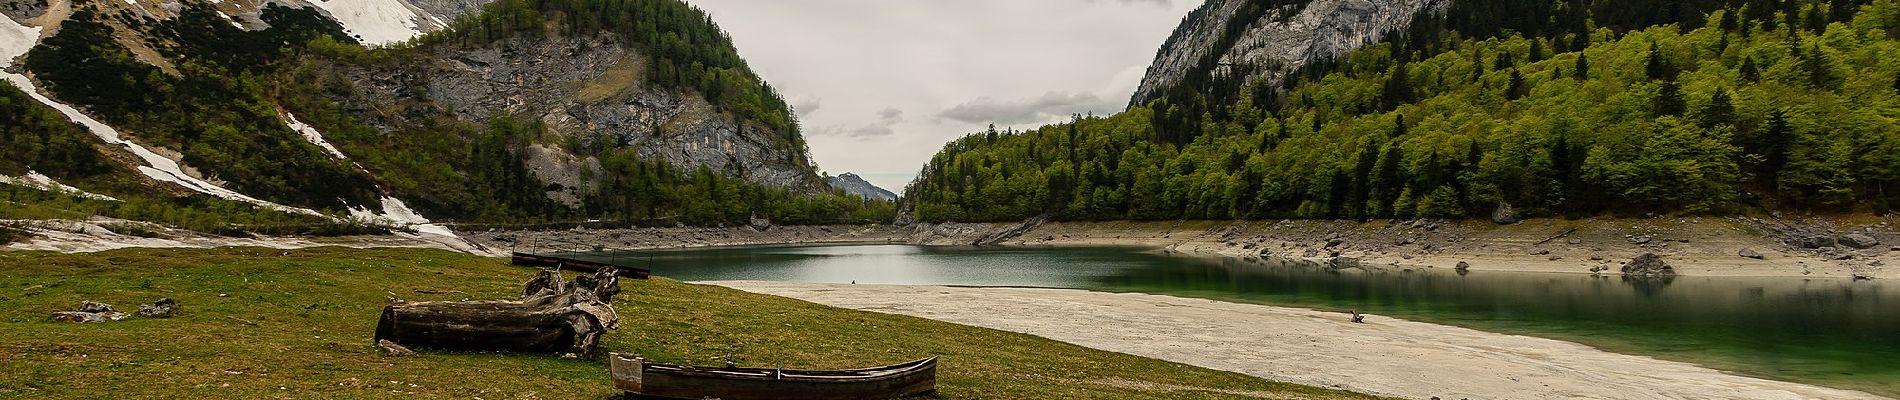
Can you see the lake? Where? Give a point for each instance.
(1832, 332)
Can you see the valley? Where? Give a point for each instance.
(1632, 199)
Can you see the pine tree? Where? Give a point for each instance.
(1537, 50)
(1656, 67)
(1515, 89)
(1668, 100)
(1582, 71)
(1750, 73)
(1720, 110)
(1397, 90)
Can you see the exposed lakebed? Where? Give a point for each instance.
(1833, 332)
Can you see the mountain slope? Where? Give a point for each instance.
(1228, 43)
(856, 185)
(527, 111)
(1739, 110)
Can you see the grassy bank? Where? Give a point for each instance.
(258, 323)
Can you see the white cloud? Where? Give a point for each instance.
(888, 71)
(1048, 106)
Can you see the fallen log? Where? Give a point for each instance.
(574, 264)
(552, 316)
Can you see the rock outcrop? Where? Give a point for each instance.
(589, 90)
(1270, 43)
(1858, 241)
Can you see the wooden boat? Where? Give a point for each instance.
(571, 264)
(647, 379)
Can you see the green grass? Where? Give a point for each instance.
(315, 310)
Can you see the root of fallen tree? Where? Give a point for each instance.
(551, 316)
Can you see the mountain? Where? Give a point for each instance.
(1601, 107)
(504, 112)
(856, 185)
(1242, 41)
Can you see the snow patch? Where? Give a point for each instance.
(376, 21)
(397, 214)
(309, 133)
(34, 179)
(15, 40)
(157, 167)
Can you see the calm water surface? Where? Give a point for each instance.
(1832, 332)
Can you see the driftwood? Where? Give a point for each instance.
(552, 316)
(1547, 240)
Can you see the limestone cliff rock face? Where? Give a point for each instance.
(590, 91)
(1275, 41)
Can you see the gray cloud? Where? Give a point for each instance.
(873, 130)
(804, 107)
(886, 119)
(1051, 105)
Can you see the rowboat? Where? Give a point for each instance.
(647, 379)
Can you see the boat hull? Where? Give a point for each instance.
(641, 378)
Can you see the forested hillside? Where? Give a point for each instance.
(1697, 107)
(231, 103)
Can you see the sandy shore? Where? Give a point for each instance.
(1383, 356)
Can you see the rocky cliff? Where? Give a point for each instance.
(1271, 39)
(589, 91)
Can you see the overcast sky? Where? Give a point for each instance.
(881, 85)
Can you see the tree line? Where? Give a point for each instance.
(1750, 109)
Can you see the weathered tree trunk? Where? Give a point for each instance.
(551, 317)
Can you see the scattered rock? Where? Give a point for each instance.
(1596, 258)
(1334, 242)
(1750, 253)
(94, 307)
(1310, 253)
(1462, 266)
(1541, 253)
(89, 311)
(1648, 264)
(162, 308)
(1858, 241)
(1640, 240)
(1816, 242)
(1861, 276)
(1576, 241)
(1504, 215)
(391, 349)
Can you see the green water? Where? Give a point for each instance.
(1832, 332)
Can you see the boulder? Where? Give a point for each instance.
(88, 312)
(1858, 241)
(159, 309)
(1462, 266)
(1648, 264)
(1750, 253)
(1504, 215)
(1815, 242)
(760, 223)
(1334, 242)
